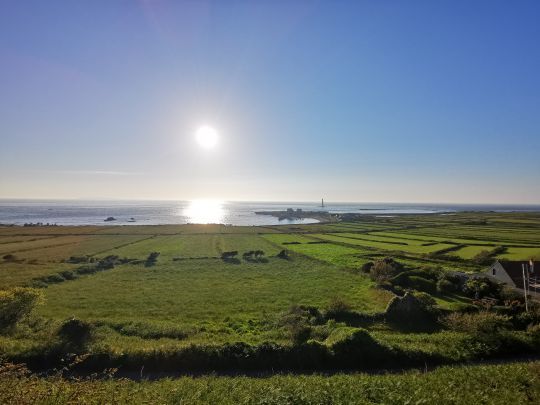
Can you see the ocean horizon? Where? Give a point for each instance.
(149, 212)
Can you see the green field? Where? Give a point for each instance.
(208, 299)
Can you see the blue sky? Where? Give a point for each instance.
(416, 101)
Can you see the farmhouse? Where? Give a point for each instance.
(511, 273)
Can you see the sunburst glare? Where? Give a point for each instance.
(205, 212)
(207, 137)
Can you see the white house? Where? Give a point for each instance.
(511, 272)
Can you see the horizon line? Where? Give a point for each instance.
(97, 199)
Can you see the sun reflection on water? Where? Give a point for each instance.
(205, 212)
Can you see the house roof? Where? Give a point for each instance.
(515, 270)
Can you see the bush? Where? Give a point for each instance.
(523, 320)
(284, 254)
(426, 300)
(229, 255)
(68, 275)
(427, 273)
(151, 259)
(10, 258)
(366, 267)
(413, 279)
(16, 304)
(411, 312)
(258, 256)
(354, 347)
(75, 334)
(422, 284)
(298, 320)
(79, 259)
(534, 332)
(86, 270)
(508, 294)
(479, 287)
(336, 307)
(481, 323)
(108, 262)
(54, 278)
(445, 286)
(485, 257)
(383, 270)
(299, 333)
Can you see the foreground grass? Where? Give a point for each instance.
(492, 384)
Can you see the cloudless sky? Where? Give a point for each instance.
(399, 101)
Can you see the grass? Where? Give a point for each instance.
(413, 248)
(493, 384)
(342, 256)
(17, 274)
(469, 252)
(521, 254)
(212, 300)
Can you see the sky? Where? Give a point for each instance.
(365, 101)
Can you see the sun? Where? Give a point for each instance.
(207, 137)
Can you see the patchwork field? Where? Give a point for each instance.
(161, 290)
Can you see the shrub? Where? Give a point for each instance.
(298, 320)
(86, 270)
(300, 333)
(107, 262)
(534, 332)
(480, 323)
(79, 259)
(508, 294)
(479, 287)
(10, 258)
(354, 347)
(383, 270)
(16, 304)
(366, 267)
(68, 275)
(422, 284)
(284, 254)
(427, 273)
(427, 300)
(523, 320)
(411, 312)
(485, 257)
(336, 307)
(258, 256)
(54, 278)
(413, 279)
(228, 255)
(444, 286)
(151, 259)
(75, 334)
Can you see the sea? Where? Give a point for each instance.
(79, 212)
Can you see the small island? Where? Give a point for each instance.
(109, 219)
(293, 214)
